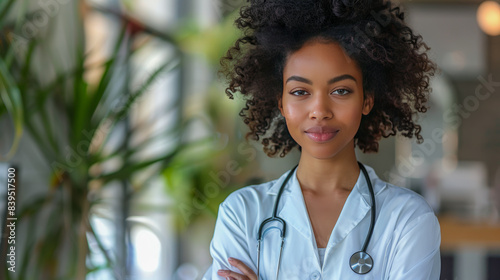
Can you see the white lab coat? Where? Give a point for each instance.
(405, 242)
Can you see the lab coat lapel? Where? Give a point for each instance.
(355, 209)
(292, 207)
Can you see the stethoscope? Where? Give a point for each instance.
(360, 262)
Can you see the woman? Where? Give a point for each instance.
(326, 76)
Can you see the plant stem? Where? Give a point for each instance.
(81, 271)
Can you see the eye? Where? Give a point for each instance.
(298, 92)
(341, 91)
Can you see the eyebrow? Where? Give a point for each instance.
(331, 81)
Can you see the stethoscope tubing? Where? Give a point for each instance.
(275, 217)
(373, 208)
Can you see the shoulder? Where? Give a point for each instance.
(248, 196)
(400, 209)
(255, 195)
(406, 210)
(395, 197)
(246, 205)
(392, 198)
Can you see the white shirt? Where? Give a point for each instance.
(405, 242)
(321, 255)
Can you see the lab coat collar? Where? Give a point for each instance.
(293, 209)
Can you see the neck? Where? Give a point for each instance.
(323, 176)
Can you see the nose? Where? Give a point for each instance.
(320, 108)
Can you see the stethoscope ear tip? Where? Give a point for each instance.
(361, 262)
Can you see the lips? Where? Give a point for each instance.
(321, 133)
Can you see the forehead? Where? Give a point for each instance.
(320, 57)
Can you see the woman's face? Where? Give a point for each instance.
(323, 99)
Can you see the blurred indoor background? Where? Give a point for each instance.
(124, 142)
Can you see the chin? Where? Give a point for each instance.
(323, 154)
(327, 151)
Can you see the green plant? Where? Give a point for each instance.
(71, 120)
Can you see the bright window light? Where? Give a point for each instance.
(147, 248)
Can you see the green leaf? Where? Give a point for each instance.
(49, 246)
(168, 66)
(25, 72)
(98, 96)
(92, 232)
(33, 206)
(77, 106)
(30, 239)
(131, 168)
(175, 132)
(80, 109)
(48, 131)
(11, 97)
(117, 115)
(42, 145)
(4, 9)
(10, 57)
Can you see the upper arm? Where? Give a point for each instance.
(230, 240)
(417, 253)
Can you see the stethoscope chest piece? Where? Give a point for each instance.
(361, 262)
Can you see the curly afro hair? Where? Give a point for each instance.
(392, 58)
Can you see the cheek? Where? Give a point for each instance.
(354, 113)
(291, 112)
(350, 114)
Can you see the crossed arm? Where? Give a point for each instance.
(248, 274)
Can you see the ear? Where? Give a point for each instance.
(280, 106)
(368, 103)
